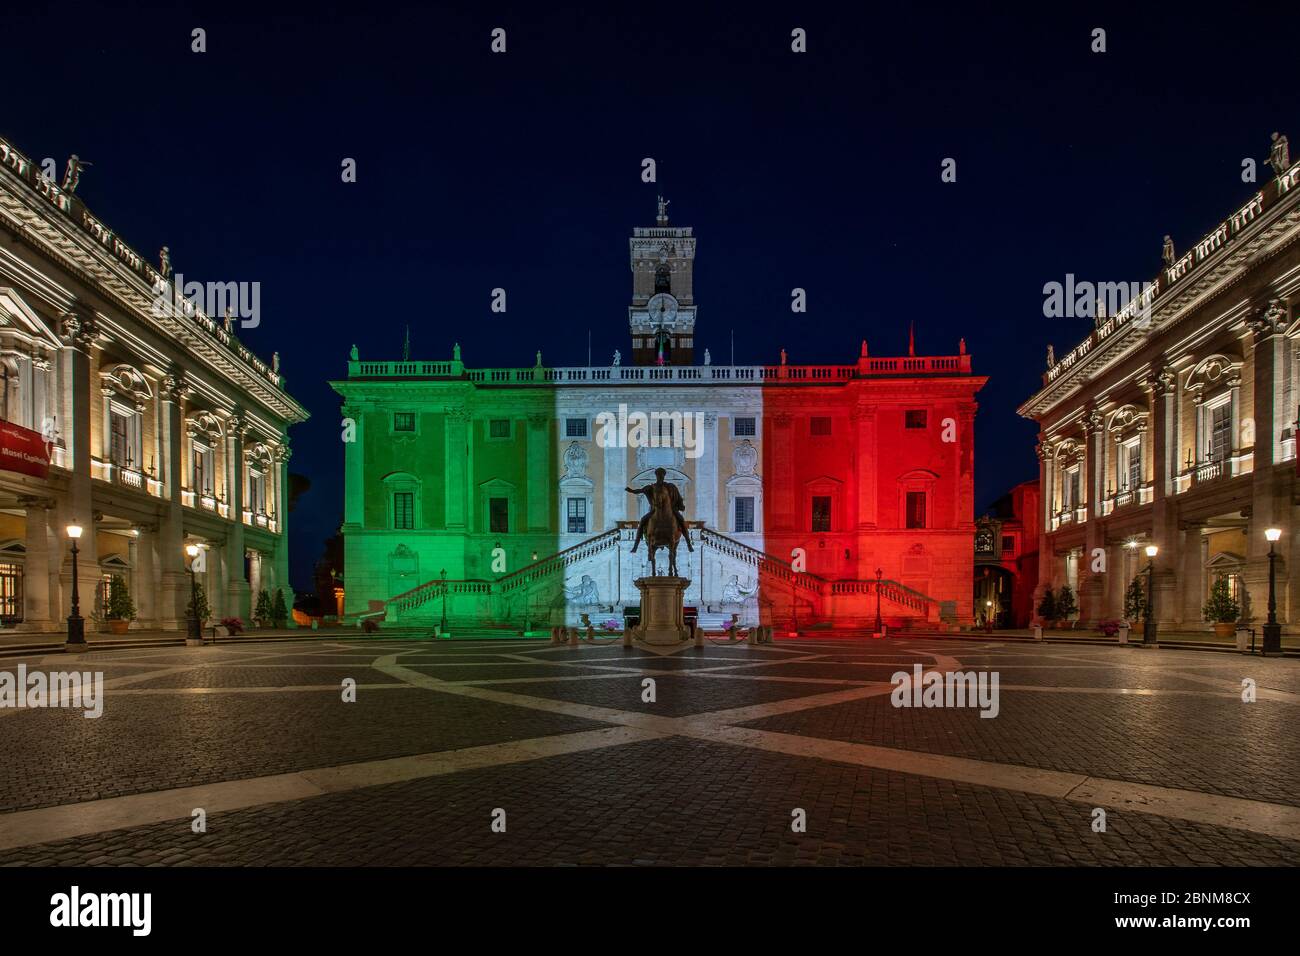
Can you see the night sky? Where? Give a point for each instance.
(522, 171)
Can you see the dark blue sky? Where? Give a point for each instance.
(523, 171)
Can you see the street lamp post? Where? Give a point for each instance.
(192, 623)
(1149, 624)
(988, 616)
(442, 628)
(879, 575)
(76, 624)
(1272, 630)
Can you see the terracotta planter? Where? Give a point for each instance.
(1225, 629)
(118, 627)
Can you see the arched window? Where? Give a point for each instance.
(663, 279)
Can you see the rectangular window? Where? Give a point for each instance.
(744, 428)
(120, 451)
(1133, 466)
(820, 425)
(1008, 545)
(744, 515)
(499, 515)
(403, 421)
(256, 502)
(1070, 493)
(202, 476)
(915, 418)
(577, 516)
(821, 513)
(575, 428)
(499, 428)
(915, 509)
(404, 510)
(1220, 432)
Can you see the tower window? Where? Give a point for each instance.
(403, 421)
(821, 513)
(499, 515)
(820, 425)
(744, 514)
(915, 509)
(915, 418)
(743, 428)
(577, 514)
(499, 428)
(404, 510)
(663, 279)
(575, 428)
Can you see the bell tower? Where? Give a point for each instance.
(661, 317)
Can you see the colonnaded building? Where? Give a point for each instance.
(129, 412)
(1173, 424)
(811, 491)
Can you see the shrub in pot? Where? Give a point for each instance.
(1221, 610)
(121, 609)
(1135, 601)
(262, 614)
(1047, 608)
(1065, 604)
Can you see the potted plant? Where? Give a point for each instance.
(1047, 608)
(121, 609)
(1135, 601)
(1065, 605)
(233, 625)
(262, 613)
(1221, 610)
(279, 612)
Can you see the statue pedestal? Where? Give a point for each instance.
(661, 610)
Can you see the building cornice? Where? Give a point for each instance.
(60, 228)
(1263, 226)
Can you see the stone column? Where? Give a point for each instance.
(457, 428)
(78, 335)
(1271, 482)
(780, 490)
(354, 470)
(38, 608)
(1190, 576)
(1092, 582)
(866, 463)
(1046, 471)
(1164, 524)
(616, 498)
(280, 559)
(542, 476)
(144, 579)
(174, 585)
(706, 475)
(237, 600)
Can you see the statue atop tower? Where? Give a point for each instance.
(661, 317)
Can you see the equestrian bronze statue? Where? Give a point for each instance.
(663, 526)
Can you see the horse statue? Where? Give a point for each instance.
(663, 526)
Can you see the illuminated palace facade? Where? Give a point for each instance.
(799, 481)
(1173, 424)
(131, 414)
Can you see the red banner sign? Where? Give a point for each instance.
(24, 451)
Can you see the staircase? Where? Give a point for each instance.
(601, 570)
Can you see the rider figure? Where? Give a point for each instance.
(675, 498)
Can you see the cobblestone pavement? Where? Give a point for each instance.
(519, 752)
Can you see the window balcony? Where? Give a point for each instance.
(125, 476)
